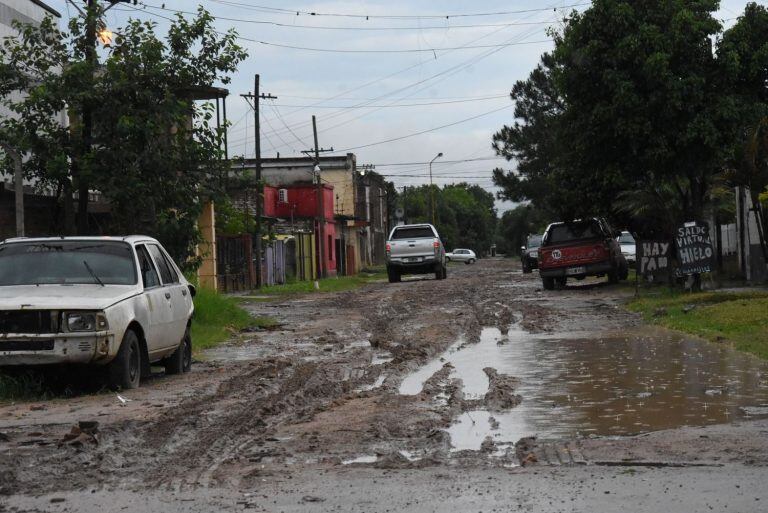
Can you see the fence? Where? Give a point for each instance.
(234, 261)
(273, 263)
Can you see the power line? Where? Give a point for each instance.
(342, 50)
(451, 70)
(439, 162)
(341, 94)
(485, 98)
(297, 12)
(430, 98)
(318, 27)
(444, 74)
(424, 131)
(407, 50)
(277, 113)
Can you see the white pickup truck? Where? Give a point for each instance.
(415, 249)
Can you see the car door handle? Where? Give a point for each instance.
(167, 295)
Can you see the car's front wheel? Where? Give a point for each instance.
(548, 283)
(125, 369)
(181, 359)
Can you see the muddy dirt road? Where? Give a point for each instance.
(478, 393)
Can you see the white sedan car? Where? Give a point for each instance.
(461, 255)
(119, 302)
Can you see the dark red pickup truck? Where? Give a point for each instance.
(579, 249)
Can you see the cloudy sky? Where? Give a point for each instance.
(393, 81)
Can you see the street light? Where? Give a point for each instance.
(431, 189)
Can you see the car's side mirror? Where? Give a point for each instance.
(192, 290)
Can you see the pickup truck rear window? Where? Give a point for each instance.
(562, 233)
(421, 232)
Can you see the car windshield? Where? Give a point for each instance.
(534, 241)
(626, 238)
(579, 230)
(67, 262)
(416, 232)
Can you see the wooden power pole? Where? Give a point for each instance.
(320, 203)
(257, 175)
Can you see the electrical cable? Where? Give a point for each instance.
(297, 12)
(421, 132)
(318, 27)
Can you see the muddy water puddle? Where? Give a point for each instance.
(601, 384)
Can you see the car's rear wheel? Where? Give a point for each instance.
(470, 261)
(548, 283)
(560, 282)
(393, 275)
(445, 272)
(125, 369)
(181, 359)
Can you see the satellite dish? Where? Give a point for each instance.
(399, 213)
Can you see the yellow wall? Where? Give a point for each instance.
(206, 274)
(341, 179)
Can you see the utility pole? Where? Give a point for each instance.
(320, 202)
(257, 160)
(320, 198)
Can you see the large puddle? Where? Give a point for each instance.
(600, 384)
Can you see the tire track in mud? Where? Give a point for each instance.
(223, 433)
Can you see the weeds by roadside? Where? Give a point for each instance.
(338, 284)
(735, 318)
(216, 318)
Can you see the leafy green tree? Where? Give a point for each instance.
(631, 97)
(535, 141)
(152, 150)
(743, 54)
(515, 225)
(465, 214)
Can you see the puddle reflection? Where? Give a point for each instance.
(605, 384)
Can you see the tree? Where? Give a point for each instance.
(631, 97)
(466, 215)
(535, 142)
(515, 225)
(151, 151)
(743, 54)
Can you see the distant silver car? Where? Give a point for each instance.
(117, 302)
(461, 255)
(628, 247)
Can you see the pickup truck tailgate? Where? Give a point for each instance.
(572, 255)
(411, 248)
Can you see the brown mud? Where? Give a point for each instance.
(323, 393)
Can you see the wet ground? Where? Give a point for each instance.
(482, 389)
